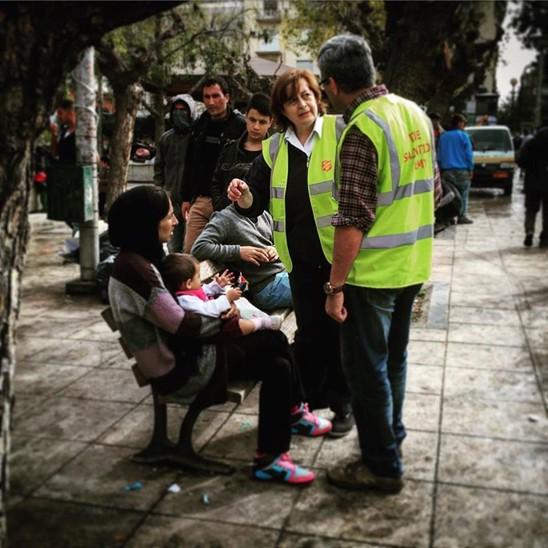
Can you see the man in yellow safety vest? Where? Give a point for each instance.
(385, 186)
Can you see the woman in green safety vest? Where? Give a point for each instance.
(294, 179)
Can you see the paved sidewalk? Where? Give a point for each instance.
(476, 454)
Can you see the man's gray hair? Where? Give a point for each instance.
(347, 59)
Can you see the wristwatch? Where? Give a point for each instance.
(330, 289)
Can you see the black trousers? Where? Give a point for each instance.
(317, 346)
(266, 356)
(534, 199)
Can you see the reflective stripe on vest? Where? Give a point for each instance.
(396, 240)
(397, 250)
(320, 179)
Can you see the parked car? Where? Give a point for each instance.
(494, 157)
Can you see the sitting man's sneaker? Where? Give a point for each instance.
(281, 469)
(305, 423)
(465, 220)
(528, 242)
(356, 476)
(342, 423)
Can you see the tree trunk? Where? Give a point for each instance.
(159, 116)
(35, 57)
(127, 100)
(432, 63)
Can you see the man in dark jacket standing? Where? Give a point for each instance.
(533, 159)
(211, 131)
(169, 163)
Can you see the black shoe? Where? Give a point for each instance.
(342, 424)
(464, 220)
(528, 242)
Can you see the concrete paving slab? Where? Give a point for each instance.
(27, 472)
(426, 334)
(480, 462)
(160, 531)
(293, 540)
(483, 300)
(71, 419)
(490, 384)
(52, 524)
(426, 352)
(484, 316)
(494, 335)
(421, 412)
(472, 517)
(45, 379)
(109, 385)
(64, 351)
(402, 520)
(489, 357)
(424, 379)
(500, 419)
(235, 499)
(102, 475)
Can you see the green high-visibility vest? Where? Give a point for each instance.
(321, 185)
(397, 250)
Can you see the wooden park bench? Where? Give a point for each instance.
(160, 450)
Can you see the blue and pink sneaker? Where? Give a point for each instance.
(305, 423)
(281, 469)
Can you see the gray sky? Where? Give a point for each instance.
(513, 58)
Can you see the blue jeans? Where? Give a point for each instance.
(374, 354)
(461, 179)
(277, 294)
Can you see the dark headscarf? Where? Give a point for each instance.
(133, 221)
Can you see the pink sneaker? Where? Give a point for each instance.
(281, 469)
(305, 423)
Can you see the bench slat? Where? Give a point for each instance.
(139, 377)
(109, 318)
(125, 348)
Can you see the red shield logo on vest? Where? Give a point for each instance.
(327, 165)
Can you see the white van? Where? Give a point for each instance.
(494, 158)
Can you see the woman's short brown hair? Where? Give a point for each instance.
(284, 89)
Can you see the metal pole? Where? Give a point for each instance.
(86, 154)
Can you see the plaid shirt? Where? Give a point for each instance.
(359, 172)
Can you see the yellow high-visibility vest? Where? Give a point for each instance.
(321, 185)
(397, 251)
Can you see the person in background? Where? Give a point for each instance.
(63, 134)
(382, 254)
(533, 159)
(294, 178)
(456, 161)
(215, 127)
(170, 160)
(436, 125)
